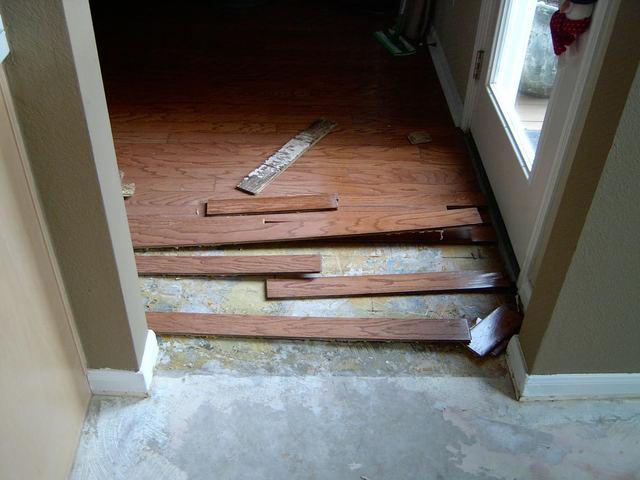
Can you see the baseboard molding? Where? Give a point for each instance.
(567, 386)
(106, 381)
(454, 100)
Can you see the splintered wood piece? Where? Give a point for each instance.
(273, 166)
(149, 232)
(318, 328)
(490, 332)
(227, 265)
(322, 287)
(262, 205)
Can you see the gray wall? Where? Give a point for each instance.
(594, 326)
(455, 22)
(63, 115)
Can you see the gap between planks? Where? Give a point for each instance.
(228, 265)
(323, 287)
(264, 205)
(317, 328)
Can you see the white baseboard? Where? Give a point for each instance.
(454, 101)
(106, 381)
(567, 386)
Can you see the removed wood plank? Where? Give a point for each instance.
(322, 287)
(227, 265)
(318, 328)
(262, 205)
(149, 232)
(491, 331)
(258, 179)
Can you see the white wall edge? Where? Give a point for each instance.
(451, 94)
(587, 386)
(106, 381)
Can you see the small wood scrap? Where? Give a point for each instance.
(259, 178)
(416, 138)
(264, 205)
(317, 328)
(323, 287)
(128, 189)
(493, 332)
(228, 265)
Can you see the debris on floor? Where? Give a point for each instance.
(128, 189)
(417, 138)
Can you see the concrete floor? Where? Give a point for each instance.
(258, 409)
(200, 425)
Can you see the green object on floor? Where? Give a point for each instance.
(391, 39)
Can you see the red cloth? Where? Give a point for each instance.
(564, 31)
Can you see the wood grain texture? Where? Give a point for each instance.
(492, 331)
(262, 205)
(258, 179)
(228, 265)
(187, 131)
(433, 282)
(148, 233)
(318, 328)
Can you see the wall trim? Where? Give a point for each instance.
(44, 230)
(451, 94)
(567, 386)
(473, 86)
(107, 381)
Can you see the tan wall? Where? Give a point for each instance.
(574, 334)
(600, 299)
(43, 388)
(54, 76)
(455, 22)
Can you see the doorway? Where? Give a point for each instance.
(528, 106)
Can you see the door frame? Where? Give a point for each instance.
(593, 47)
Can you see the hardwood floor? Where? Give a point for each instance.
(200, 95)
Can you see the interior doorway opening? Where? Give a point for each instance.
(199, 95)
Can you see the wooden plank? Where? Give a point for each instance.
(318, 328)
(227, 265)
(322, 287)
(273, 166)
(490, 332)
(149, 232)
(262, 205)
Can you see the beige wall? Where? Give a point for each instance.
(55, 81)
(566, 328)
(455, 22)
(43, 388)
(599, 301)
